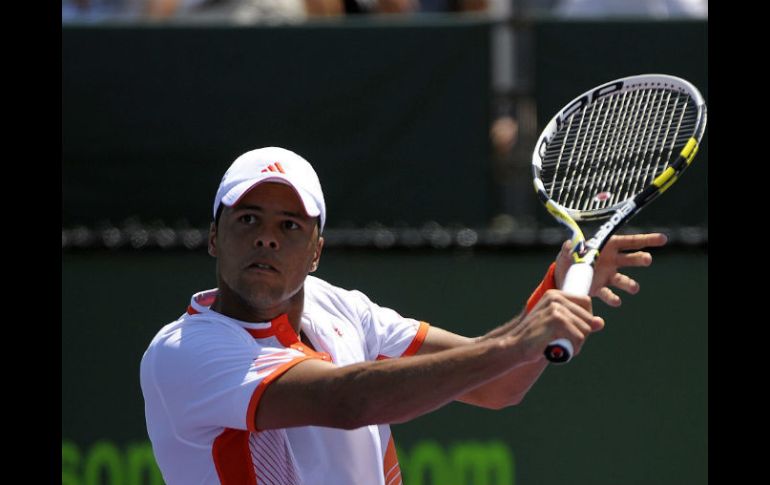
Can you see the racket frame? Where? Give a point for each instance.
(584, 253)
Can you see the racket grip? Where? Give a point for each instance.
(578, 282)
(578, 279)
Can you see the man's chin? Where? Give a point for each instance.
(261, 302)
(266, 298)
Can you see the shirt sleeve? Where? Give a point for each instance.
(210, 380)
(387, 333)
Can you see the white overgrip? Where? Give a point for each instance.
(578, 279)
(577, 282)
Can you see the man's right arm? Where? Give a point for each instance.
(317, 393)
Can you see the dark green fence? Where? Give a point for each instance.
(395, 119)
(395, 116)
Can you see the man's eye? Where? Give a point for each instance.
(290, 225)
(248, 219)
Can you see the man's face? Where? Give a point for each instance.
(265, 246)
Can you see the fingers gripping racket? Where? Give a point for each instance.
(607, 154)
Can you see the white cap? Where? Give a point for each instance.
(272, 164)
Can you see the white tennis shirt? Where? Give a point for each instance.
(202, 377)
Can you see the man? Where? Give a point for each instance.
(279, 377)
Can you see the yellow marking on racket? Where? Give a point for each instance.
(576, 258)
(668, 177)
(689, 150)
(664, 180)
(564, 218)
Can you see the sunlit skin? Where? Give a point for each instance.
(268, 227)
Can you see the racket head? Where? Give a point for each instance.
(626, 137)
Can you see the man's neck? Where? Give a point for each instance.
(297, 305)
(231, 305)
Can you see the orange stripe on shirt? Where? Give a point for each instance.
(548, 283)
(391, 468)
(232, 458)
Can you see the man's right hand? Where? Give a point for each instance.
(556, 315)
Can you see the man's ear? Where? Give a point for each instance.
(317, 255)
(213, 239)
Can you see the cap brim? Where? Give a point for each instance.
(234, 195)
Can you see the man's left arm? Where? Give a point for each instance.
(510, 388)
(507, 390)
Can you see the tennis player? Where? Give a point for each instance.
(278, 377)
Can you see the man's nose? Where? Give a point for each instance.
(266, 239)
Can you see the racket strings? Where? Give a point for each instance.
(615, 147)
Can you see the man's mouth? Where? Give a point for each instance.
(262, 267)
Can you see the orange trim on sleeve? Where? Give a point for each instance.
(418, 340)
(548, 283)
(251, 413)
(310, 352)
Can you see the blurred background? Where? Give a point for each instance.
(420, 117)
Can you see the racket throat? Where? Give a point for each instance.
(586, 256)
(608, 228)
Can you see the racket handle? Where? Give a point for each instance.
(559, 351)
(578, 279)
(577, 282)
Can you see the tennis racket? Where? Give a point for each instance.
(607, 154)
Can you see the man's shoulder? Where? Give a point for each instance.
(314, 284)
(320, 294)
(182, 347)
(319, 289)
(193, 330)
